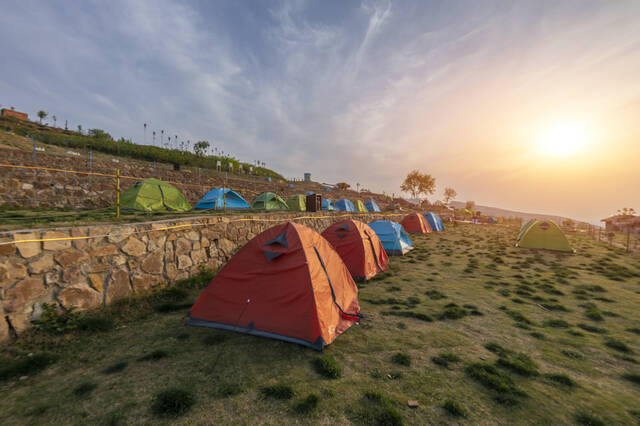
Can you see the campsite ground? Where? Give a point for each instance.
(540, 337)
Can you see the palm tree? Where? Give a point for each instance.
(168, 142)
(54, 120)
(154, 137)
(161, 136)
(42, 115)
(145, 133)
(80, 128)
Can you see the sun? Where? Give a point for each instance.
(564, 140)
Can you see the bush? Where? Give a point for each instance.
(154, 356)
(401, 358)
(445, 358)
(279, 391)
(587, 419)
(95, 323)
(308, 404)
(409, 314)
(52, 321)
(561, 379)
(115, 368)
(592, 328)
(594, 315)
(556, 323)
(230, 389)
(453, 408)
(618, 345)
(377, 409)
(435, 295)
(452, 312)
(489, 376)
(214, 339)
(327, 366)
(84, 388)
(29, 365)
(172, 402)
(632, 377)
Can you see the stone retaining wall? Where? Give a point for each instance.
(120, 260)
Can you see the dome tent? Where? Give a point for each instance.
(152, 195)
(327, 204)
(415, 223)
(297, 203)
(359, 247)
(372, 206)
(219, 198)
(269, 201)
(543, 234)
(287, 283)
(434, 221)
(395, 240)
(360, 207)
(345, 205)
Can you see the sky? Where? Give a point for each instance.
(525, 105)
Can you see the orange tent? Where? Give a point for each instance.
(415, 223)
(287, 283)
(359, 247)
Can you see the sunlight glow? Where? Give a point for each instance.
(564, 140)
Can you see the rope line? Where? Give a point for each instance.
(186, 225)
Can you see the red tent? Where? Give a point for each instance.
(416, 224)
(287, 283)
(359, 247)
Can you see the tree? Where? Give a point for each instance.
(99, 134)
(417, 183)
(200, 148)
(343, 186)
(42, 115)
(80, 128)
(627, 211)
(568, 223)
(471, 205)
(449, 194)
(54, 120)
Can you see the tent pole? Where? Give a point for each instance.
(117, 193)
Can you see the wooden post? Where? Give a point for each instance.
(117, 193)
(224, 195)
(628, 239)
(599, 233)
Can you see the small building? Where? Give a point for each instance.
(622, 223)
(14, 114)
(307, 177)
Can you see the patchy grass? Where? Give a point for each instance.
(453, 408)
(307, 405)
(588, 419)
(560, 379)
(377, 409)
(31, 364)
(118, 367)
(444, 359)
(401, 358)
(172, 402)
(327, 366)
(154, 356)
(279, 391)
(632, 377)
(84, 389)
(618, 345)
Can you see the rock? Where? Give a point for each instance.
(56, 244)
(97, 267)
(7, 249)
(72, 275)
(118, 260)
(71, 257)
(412, 403)
(183, 246)
(134, 247)
(20, 322)
(172, 271)
(44, 264)
(27, 250)
(81, 296)
(96, 282)
(193, 235)
(4, 330)
(184, 262)
(226, 246)
(118, 286)
(108, 250)
(23, 292)
(51, 278)
(204, 242)
(117, 235)
(153, 263)
(79, 232)
(36, 312)
(143, 282)
(199, 256)
(157, 242)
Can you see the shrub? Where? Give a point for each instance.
(410, 314)
(53, 321)
(618, 345)
(572, 354)
(632, 377)
(95, 323)
(538, 335)
(497, 349)
(84, 388)
(279, 391)
(556, 323)
(327, 366)
(492, 378)
(172, 402)
(229, 389)
(635, 330)
(377, 409)
(29, 365)
(452, 312)
(115, 368)
(445, 358)
(561, 379)
(435, 295)
(592, 328)
(214, 339)
(587, 419)
(154, 356)
(401, 358)
(308, 404)
(453, 408)
(593, 314)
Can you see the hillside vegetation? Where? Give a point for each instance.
(101, 141)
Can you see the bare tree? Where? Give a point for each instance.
(449, 194)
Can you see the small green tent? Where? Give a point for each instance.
(543, 234)
(269, 201)
(297, 203)
(360, 207)
(152, 195)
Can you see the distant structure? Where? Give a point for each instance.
(15, 114)
(307, 177)
(622, 223)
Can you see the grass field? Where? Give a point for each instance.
(472, 328)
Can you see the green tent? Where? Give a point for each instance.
(543, 234)
(360, 207)
(151, 195)
(269, 201)
(524, 227)
(297, 203)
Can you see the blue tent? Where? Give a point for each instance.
(327, 204)
(267, 179)
(371, 205)
(310, 193)
(345, 205)
(395, 239)
(214, 200)
(434, 221)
